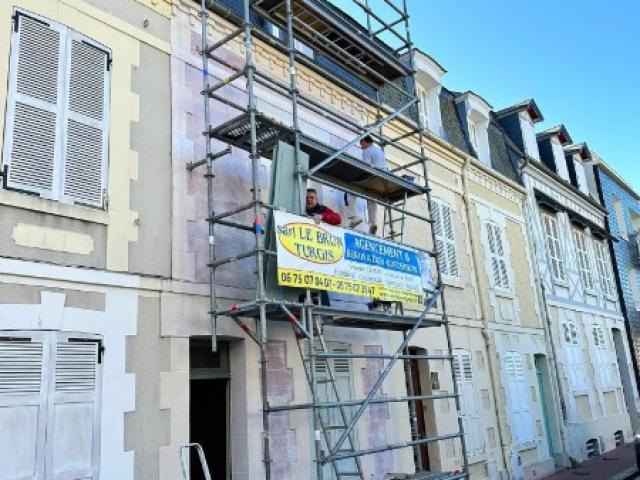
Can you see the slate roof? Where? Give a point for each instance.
(504, 155)
(452, 129)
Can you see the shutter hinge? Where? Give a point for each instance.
(105, 199)
(4, 173)
(106, 52)
(101, 350)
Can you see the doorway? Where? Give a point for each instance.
(209, 407)
(624, 368)
(546, 398)
(419, 372)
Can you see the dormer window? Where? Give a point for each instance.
(576, 154)
(473, 135)
(558, 155)
(476, 111)
(529, 136)
(429, 76)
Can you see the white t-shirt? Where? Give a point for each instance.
(374, 155)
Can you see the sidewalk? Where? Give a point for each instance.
(618, 464)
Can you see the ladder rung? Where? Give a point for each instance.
(348, 474)
(335, 427)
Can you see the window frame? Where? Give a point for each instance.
(580, 239)
(447, 240)
(603, 265)
(497, 253)
(552, 239)
(62, 110)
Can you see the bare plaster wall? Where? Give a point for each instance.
(147, 355)
(151, 192)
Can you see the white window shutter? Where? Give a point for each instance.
(73, 410)
(471, 421)
(33, 131)
(23, 410)
(85, 153)
(445, 238)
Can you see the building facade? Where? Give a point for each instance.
(84, 238)
(581, 305)
(623, 221)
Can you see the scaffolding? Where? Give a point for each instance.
(380, 53)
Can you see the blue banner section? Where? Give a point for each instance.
(380, 254)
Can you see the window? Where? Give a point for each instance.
(445, 239)
(56, 138)
(553, 247)
(604, 268)
(497, 256)
(473, 135)
(424, 107)
(570, 332)
(581, 176)
(620, 220)
(49, 405)
(560, 161)
(522, 424)
(632, 275)
(303, 48)
(472, 424)
(598, 336)
(529, 136)
(584, 262)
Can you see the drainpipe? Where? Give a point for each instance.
(558, 393)
(484, 309)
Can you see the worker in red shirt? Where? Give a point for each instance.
(320, 213)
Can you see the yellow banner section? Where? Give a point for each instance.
(301, 279)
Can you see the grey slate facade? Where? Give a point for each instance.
(624, 252)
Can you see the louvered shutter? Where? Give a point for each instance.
(73, 410)
(471, 422)
(519, 399)
(497, 255)
(23, 411)
(332, 417)
(452, 258)
(445, 239)
(553, 247)
(86, 146)
(33, 134)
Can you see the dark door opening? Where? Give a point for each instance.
(208, 426)
(421, 423)
(209, 407)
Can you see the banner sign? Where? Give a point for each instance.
(324, 257)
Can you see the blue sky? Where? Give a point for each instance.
(579, 59)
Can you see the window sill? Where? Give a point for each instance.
(52, 207)
(504, 293)
(453, 282)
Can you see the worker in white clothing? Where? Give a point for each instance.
(373, 155)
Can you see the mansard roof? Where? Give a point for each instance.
(529, 105)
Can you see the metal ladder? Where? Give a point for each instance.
(393, 224)
(354, 466)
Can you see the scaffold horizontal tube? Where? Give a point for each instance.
(212, 156)
(240, 256)
(353, 403)
(217, 86)
(380, 355)
(222, 41)
(393, 446)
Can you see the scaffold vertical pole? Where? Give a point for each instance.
(209, 179)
